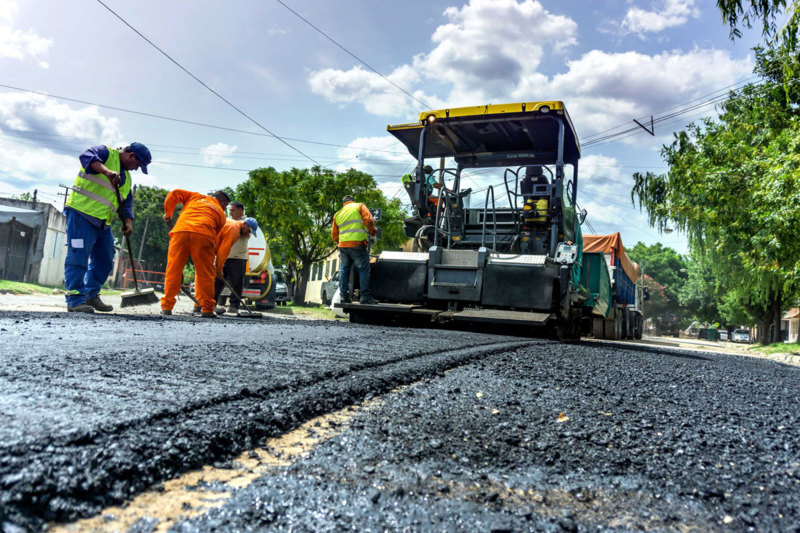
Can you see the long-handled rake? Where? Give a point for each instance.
(136, 296)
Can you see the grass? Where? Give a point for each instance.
(777, 347)
(317, 311)
(15, 287)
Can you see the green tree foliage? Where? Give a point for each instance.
(701, 293)
(733, 188)
(296, 207)
(664, 265)
(744, 14)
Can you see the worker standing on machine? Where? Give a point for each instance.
(352, 227)
(195, 234)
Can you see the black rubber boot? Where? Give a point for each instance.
(98, 305)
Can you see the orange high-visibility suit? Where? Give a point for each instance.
(229, 234)
(195, 235)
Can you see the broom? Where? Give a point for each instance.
(134, 297)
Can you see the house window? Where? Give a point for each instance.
(333, 265)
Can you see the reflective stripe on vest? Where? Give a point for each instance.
(94, 195)
(351, 225)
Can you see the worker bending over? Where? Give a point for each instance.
(235, 234)
(90, 209)
(352, 227)
(195, 234)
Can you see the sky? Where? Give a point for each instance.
(317, 82)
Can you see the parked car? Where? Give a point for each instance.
(329, 289)
(740, 335)
(281, 290)
(723, 334)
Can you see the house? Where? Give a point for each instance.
(791, 323)
(320, 272)
(32, 242)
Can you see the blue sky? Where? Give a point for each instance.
(609, 61)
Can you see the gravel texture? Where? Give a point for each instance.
(553, 438)
(96, 408)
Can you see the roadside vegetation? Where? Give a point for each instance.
(777, 347)
(15, 287)
(733, 185)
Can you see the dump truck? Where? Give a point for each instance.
(511, 257)
(614, 289)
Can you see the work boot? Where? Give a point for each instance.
(369, 300)
(197, 309)
(212, 314)
(345, 299)
(220, 310)
(166, 312)
(81, 308)
(233, 310)
(98, 305)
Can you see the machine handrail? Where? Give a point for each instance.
(489, 190)
(515, 194)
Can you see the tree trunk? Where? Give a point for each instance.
(776, 317)
(302, 280)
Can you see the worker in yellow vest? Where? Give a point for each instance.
(91, 208)
(353, 225)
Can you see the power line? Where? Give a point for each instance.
(198, 80)
(351, 54)
(191, 122)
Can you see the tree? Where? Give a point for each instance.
(296, 207)
(701, 293)
(732, 186)
(737, 13)
(666, 267)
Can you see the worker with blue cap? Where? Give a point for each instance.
(232, 255)
(90, 209)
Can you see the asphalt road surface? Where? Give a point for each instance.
(150, 424)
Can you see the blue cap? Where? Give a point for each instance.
(142, 155)
(253, 224)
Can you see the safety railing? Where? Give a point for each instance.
(489, 192)
(153, 282)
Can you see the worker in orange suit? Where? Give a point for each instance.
(195, 234)
(233, 231)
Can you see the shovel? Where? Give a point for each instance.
(248, 313)
(136, 296)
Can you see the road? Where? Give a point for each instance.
(145, 423)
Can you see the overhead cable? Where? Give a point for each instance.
(201, 82)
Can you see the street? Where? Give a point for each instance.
(151, 423)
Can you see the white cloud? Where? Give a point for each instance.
(468, 56)
(8, 10)
(218, 154)
(41, 139)
(468, 65)
(672, 13)
(18, 44)
(604, 89)
(382, 157)
(48, 122)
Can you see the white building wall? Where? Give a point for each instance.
(320, 272)
(51, 269)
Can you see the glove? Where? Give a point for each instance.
(373, 240)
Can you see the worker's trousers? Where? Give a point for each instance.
(233, 271)
(358, 256)
(90, 258)
(182, 245)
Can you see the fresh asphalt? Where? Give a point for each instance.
(490, 433)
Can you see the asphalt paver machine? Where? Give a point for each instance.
(509, 253)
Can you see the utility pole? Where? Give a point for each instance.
(65, 194)
(35, 191)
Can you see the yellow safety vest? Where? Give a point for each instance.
(351, 225)
(94, 195)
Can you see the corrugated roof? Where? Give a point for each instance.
(792, 313)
